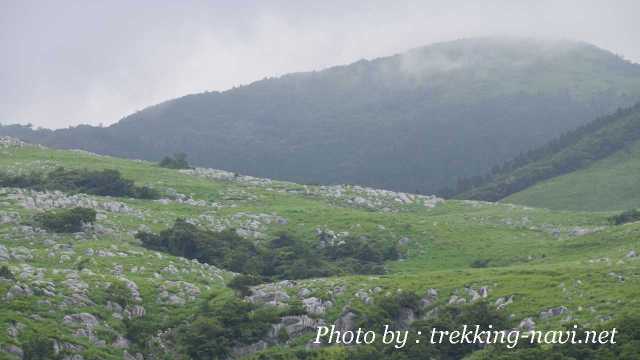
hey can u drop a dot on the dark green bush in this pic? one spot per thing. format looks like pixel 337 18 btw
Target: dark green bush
pixel 20 181
pixel 6 273
pixel 95 182
pixel 39 347
pixel 223 249
pixel 178 161
pixel 480 263
pixel 223 322
pixel 242 282
pixel 65 220
pixel 119 293
pixel 449 318
pixel 284 257
pixel 625 217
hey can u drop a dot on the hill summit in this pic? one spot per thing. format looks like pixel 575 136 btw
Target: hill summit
pixel 411 122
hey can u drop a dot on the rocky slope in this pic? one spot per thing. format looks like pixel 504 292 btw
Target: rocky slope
pixel 543 268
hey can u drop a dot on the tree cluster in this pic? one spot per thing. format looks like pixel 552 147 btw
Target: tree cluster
pixel 284 257
pixel 178 161
pixel 106 182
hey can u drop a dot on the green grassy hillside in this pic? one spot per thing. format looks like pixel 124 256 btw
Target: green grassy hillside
pixel 538 258
pixel 608 184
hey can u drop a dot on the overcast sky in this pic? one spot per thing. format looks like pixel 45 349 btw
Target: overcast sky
pixel 70 62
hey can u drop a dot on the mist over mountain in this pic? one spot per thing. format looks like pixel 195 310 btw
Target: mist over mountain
pixel 415 122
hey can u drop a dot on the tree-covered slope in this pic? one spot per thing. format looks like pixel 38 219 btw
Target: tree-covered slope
pixel 590 168
pixel 608 184
pixel 102 293
pixel 412 122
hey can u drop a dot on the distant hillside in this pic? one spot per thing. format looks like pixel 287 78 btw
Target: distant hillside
pixel 600 159
pixel 609 184
pixel 412 122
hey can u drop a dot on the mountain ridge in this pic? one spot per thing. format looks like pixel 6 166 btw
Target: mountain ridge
pixel 411 122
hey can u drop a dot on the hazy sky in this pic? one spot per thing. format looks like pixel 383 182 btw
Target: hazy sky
pixel 69 62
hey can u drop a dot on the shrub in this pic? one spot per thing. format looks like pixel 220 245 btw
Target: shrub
pixel 119 293
pixel 223 322
pixel 626 217
pixel 82 264
pixel 448 318
pixel 20 181
pixel 6 273
pixel 284 257
pixel 65 220
pixel 39 347
pixel 242 282
pixel 480 263
pixel 223 249
pixel 178 161
pixel 95 182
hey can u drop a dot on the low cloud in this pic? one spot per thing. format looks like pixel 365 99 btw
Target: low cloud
pixel 72 62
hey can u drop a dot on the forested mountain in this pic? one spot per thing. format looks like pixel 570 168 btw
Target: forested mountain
pixel 416 121
pixel 574 150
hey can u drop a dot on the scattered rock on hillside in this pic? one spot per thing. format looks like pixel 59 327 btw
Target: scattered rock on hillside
pixel 553 312
pixel 45 200
pixel 502 302
pixel 346 321
pixel 527 324
pixel 9 218
pixel 364 297
pixel 7 141
pixel 581 231
pixel 296 325
pixel 456 300
pixel 374 199
pixel 430 297
pixel 85 320
pixel 316 306
pixel 406 317
pixel 617 276
pixel 304 293
pixel 13 350
pixel 4 253
pixel 177 293
pixel 17 291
